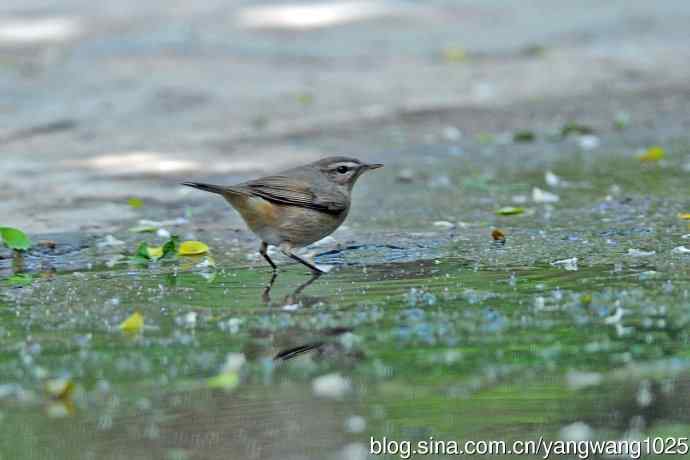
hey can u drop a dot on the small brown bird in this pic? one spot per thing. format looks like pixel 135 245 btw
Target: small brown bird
pixel 296 207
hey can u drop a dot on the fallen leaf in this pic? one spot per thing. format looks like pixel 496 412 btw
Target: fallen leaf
pixel 134 324
pixel 684 215
pixel 50 244
pixel 225 380
pixel 498 236
pixel 154 252
pixel 20 279
pixel 524 136
pixel 15 238
pixel 510 211
pixel 145 252
pixel 454 54
pixel 61 388
pixel 621 120
pixel 136 203
pixel 143 229
pixel 576 128
pixel 305 98
pixel 655 153
pixel 192 248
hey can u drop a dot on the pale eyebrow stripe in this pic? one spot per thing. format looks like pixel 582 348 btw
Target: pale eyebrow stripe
pixel 349 164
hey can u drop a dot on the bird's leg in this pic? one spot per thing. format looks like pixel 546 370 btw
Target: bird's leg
pixel 266 296
pixel 263 250
pixel 292 298
pixel 287 250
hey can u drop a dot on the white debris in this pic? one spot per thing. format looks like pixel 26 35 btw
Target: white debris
pixel 189 319
pixel 163 233
pixel 616 317
pixel 644 394
pixel 109 241
pixel 588 142
pixel 24 31
pixel 355 424
pixel 333 386
pixel 680 250
pixel 519 199
pixel 568 264
pixel 451 133
pixel 234 362
pixel 354 451
pixel 405 175
pixel 444 224
pixel 542 196
pixel 686 237
pixel 232 325
pixel 551 179
pixel 577 380
pixel 577 431
pixel 640 253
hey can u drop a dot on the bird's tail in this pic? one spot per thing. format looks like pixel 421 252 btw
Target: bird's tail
pixel 206 187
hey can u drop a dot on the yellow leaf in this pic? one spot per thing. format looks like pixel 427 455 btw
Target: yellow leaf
pixel 134 324
pixel 655 153
pixel 454 54
pixel 225 380
pixel 192 248
pixel 155 252
pixel 684 215
pixel 59 388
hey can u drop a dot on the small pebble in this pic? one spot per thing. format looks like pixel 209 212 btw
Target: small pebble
pixel 588 142
pixel 551 179
pixel 577 431
pixel 568 264
pixel 332 386
pixel 405 175
pixel 444 224
pixel 680 250
pixel 542 196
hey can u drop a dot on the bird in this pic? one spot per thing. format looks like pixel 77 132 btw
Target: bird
pixel 296 207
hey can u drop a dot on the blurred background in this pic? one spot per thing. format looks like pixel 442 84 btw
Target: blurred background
pixel 100 101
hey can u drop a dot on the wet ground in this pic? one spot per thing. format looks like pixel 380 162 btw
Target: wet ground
pixel 573 327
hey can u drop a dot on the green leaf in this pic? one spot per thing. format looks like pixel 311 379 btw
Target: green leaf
pixel 20 279
pixel 524 136
pixel 170 246
pixel 145 252
pixel 15 238
pixel 225 380
pixel 576 128
pixel 136 203
pixel 510 211
pixel 142 252
pixel 143 229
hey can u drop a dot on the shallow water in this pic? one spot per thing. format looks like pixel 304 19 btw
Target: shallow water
pixel 427 330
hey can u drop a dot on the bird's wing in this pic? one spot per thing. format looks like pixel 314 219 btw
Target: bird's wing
pixel 295 192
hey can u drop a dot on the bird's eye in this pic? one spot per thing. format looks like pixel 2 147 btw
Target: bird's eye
pixel 341 169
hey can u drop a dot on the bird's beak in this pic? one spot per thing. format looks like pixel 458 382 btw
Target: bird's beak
pixel 374 166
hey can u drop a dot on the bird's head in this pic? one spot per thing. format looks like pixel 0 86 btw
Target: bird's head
pixel 344 171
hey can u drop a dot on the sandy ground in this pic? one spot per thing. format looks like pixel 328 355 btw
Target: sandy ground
pixel 99 104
